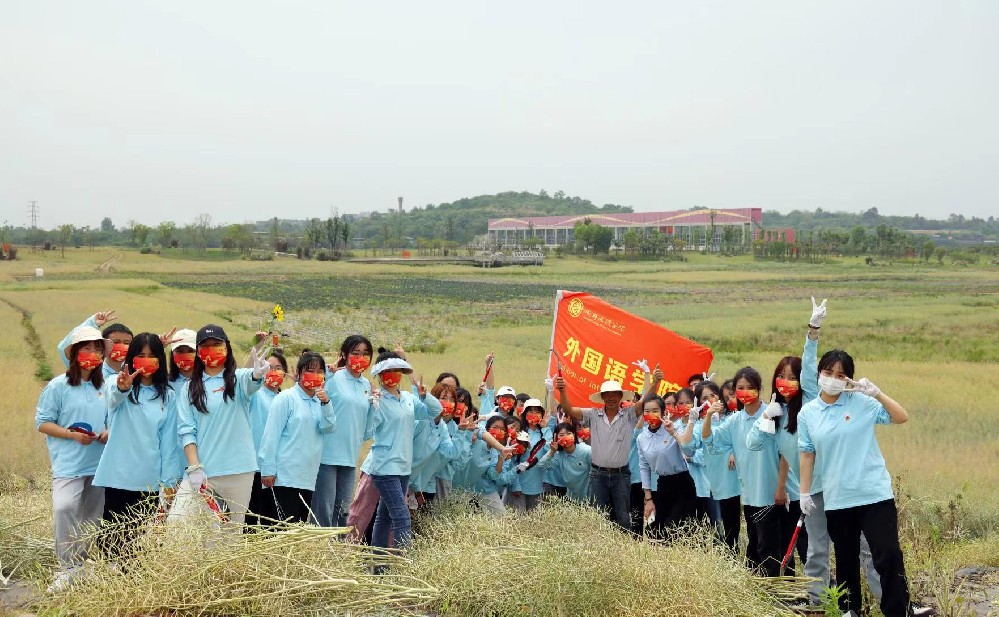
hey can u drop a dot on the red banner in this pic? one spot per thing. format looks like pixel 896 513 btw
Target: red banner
pixel 595 341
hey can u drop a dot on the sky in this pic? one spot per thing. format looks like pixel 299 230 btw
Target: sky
pixel 248 110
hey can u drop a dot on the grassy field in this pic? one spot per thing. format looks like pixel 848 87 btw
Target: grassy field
pixel 926 334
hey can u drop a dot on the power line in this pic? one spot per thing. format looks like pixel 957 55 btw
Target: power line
pixel 33 211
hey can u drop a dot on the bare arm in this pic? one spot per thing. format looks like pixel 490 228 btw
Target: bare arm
pixel 807 469
pixel 898 413
pixel 191 452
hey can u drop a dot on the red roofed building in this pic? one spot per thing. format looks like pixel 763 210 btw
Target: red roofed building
pixel 692 226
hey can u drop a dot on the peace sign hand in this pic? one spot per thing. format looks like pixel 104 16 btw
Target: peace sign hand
pixel 125 378
pixel 102 317
pixel 168 338
pixel 421 388
pixel 818 314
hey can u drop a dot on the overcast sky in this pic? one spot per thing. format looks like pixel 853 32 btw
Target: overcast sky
pixel 246 110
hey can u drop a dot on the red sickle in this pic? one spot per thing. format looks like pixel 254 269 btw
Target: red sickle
pixel 794 538
pixel 212 504
pixel 489 369
pixel 74 429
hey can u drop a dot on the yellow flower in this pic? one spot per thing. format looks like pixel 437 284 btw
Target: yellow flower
pixel 278 312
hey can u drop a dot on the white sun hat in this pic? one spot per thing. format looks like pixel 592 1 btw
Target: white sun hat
pixel 611 386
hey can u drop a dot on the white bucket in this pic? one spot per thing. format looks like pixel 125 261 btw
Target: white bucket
pixel 39 273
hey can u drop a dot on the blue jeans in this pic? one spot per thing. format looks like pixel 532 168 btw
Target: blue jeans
pixel 393 513
pixel 611 490
pixel 334 491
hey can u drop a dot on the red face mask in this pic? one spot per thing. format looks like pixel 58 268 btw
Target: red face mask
pixel 118 352
pixel 747 397
pixel 447 408
pixel 506 403
pixel 358 364
pixel 583 434
pixel 511 433
pixel 213 357
pixel 391 379
pixel 274 379
pixel 787 387
pixel 566 441
pixel 184 360
pixel 88 360
pixel 680 411
pixel 462 408
pixel 498 433
pixel 312 381
pixel 146 366
pixel 653 420
pixel 733 404
pixel 519 448
pixel 533 418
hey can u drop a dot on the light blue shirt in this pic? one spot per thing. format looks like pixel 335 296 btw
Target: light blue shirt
pixel 531 479
pixel 141 453
pixel 787 447
pixel 463 442
pixel 293 438
pixel 846 449
pixel 573 468
pixel 493 481
pixel 392 426
pixel 223 435
pixel 658 453
pixel 757 469
pixel 350 397
pixel 722 481
pixel 472 463
pixel 432 449
pixel 693 454
pixel 66 405
pixel 260 407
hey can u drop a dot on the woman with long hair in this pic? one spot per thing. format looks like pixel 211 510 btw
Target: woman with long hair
pixel 262 503
pixel 71 414
pixel 213 411
pixel 292 445
pixel 757 472
pixel 350 394
pixel 141 453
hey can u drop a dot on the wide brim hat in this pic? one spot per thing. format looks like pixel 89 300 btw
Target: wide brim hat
pixel 84 334
pixel 611 386
pixel 391 364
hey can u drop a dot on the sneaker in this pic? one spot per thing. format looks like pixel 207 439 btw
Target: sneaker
pixel 921 611
pixel 63 581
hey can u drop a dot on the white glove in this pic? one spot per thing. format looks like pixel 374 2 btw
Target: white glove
pixel 549 384
pixel 375 398
pixel 864 386
pixel 196 477
pixel 766 425
pixel 260 365
pixel 642 364
pixel 818 314
pixel 694 415
pixel 773 410
pixel 521 468
pixel 708 377
pixel 807 504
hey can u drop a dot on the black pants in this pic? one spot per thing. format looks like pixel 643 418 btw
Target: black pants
pixel 125 509
pixel 763 528
pixel 293 502
pixel 637 508
pixel 261 503
pixel 675 501
pixel 788 521
pixel 548 490
pixel 879 524
pixel 731 509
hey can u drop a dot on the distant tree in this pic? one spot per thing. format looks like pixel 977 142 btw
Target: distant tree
pixel 107 226
pixel 165 232
pixel 65 237
pixel 631 240
pixel 543 194
pixel 202 223
pixel 559 195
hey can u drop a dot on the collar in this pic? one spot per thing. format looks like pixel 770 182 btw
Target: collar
pixel 206 376
pixel 301 393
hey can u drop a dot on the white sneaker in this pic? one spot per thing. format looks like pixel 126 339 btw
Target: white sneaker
pixel 63 581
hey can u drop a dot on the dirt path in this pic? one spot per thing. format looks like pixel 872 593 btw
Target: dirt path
pixel 14 597
pixel 105 267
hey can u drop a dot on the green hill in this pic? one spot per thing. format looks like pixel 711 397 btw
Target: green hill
pixel 465 218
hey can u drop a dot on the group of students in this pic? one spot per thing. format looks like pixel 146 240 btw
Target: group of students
pixel 126 422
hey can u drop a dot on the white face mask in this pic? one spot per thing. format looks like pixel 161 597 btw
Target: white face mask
pixel 831 385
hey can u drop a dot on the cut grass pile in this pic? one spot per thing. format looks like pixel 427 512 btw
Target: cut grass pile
pixel 563 559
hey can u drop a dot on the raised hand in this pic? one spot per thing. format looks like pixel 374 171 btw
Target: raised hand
pixel 818 314
pixel 260 365
pixel 773 409
pixel 642 364
pixel 708 377
pixel 864 386
pixel 102 317
pixel 168 338
pixel 322 396
pixel 125 378
pixel 421 388
pixel 399 350
pixel 657 375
